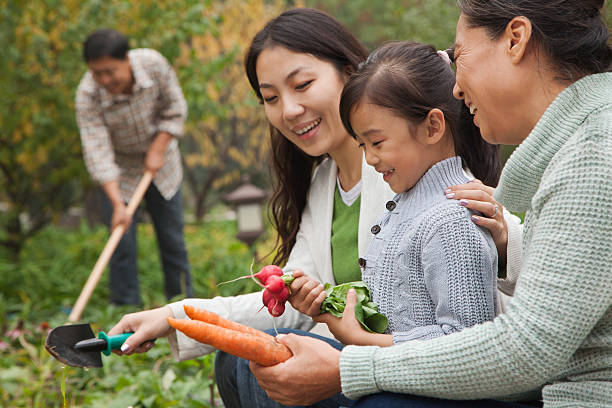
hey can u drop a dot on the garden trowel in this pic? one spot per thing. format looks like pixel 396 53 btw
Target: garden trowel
pixel 77 346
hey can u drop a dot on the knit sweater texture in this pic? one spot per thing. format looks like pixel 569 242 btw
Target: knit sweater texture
pixel 430 269
pixel 557 332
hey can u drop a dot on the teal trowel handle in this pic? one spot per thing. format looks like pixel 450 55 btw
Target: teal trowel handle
pixel 113 342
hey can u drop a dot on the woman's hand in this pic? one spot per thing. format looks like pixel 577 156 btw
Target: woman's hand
pixel 307 294
pixel 347 328
pixel 311 375
pixel 147 326
pixel 479 197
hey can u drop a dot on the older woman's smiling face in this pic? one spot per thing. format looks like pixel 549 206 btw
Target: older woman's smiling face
pixel 487 83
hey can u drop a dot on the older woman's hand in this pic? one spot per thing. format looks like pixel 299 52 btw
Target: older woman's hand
pixel 311 375
pixel 479 197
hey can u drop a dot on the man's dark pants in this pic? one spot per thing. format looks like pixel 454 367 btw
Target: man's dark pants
pixel 167 217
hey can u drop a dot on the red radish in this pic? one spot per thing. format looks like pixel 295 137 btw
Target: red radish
pixel 283 296
pixel 267 271
pixel 276 308
pixel 266 297
pixel 262 275
pixel 276 287
pixel 275 284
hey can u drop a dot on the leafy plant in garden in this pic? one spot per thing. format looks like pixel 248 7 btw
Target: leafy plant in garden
pixel 37 294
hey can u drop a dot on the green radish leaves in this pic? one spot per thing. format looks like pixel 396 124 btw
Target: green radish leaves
pixel 366 311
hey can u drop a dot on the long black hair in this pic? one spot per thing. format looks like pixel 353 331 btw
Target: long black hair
pixel 412 79
pixel 313 32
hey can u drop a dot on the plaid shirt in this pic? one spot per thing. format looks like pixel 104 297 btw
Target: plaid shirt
pixel 117 130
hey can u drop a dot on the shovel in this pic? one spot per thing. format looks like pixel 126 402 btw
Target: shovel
pixel 77 346
pixel 106 254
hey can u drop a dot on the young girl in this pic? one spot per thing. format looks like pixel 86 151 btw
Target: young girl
pixel 430 269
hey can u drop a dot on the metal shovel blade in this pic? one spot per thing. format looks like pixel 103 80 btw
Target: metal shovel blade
pixel 60 344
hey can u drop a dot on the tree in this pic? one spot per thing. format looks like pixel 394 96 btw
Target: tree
pixel 226 134
pixel 41 167
pixel 431 21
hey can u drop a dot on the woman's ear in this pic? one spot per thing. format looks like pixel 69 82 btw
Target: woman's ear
pixel 432 129
pixel 517 37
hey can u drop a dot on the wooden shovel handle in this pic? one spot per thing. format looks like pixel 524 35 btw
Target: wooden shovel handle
pixel 110 247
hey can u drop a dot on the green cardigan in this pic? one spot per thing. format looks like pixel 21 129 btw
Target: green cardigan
pixel 557 332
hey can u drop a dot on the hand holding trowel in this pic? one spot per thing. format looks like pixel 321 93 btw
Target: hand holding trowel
pixel 77 346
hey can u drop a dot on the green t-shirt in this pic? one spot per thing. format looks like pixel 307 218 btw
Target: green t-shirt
pixel 345 228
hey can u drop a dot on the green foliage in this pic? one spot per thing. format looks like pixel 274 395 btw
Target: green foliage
pixel 227 134
pixel 366 311
pixel 430 22
pixel 38 292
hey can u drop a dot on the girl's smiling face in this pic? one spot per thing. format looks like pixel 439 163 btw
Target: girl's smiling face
pixel 301 95
pixel 398 149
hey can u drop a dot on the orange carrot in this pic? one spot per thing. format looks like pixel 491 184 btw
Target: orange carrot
pixel 206 316
pixel 266 352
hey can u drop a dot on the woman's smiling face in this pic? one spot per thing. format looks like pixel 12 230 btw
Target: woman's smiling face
pixel 301 95
pixel 485 82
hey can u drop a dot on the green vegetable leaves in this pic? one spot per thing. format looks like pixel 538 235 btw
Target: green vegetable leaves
pixel 366 311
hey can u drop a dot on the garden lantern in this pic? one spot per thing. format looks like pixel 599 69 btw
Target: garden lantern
pixel 247 200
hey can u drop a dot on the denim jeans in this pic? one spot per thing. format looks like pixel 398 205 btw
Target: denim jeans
pixel 392 400
pixel 167 217
pixel 239 389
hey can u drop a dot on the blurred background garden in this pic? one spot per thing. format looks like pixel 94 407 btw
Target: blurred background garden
pixel 50 235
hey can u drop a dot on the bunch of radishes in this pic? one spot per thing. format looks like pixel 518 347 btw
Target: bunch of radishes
pixel 276 287
pixel 276 290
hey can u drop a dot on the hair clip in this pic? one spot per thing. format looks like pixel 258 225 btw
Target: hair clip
pixel 445 56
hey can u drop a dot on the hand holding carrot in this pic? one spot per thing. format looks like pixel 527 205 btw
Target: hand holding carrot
pixel 146 325
pixel 307 294
pixel 311 375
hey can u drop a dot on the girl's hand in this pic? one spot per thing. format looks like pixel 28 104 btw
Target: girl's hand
pixel 311 375
pixel 347 328
pixel 307 294
pixel 147 326
pixel 479 197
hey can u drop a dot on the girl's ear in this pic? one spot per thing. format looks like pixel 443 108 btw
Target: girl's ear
pixel 431 130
